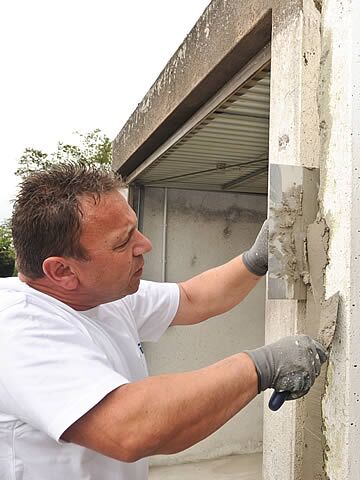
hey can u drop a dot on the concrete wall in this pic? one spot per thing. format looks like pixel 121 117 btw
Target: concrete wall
pixel 320 120
pixel 204 230
pixel 340 195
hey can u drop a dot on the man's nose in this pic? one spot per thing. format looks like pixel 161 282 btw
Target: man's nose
pixel 142 245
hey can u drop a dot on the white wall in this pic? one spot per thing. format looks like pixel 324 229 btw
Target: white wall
pixel 206 229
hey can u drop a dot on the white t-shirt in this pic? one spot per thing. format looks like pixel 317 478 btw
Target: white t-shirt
pixel 57 363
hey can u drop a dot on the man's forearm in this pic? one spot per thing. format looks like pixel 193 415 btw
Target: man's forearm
pixel 214 292
pixel 167 413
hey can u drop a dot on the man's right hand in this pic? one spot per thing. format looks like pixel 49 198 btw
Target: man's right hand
pixel 290 364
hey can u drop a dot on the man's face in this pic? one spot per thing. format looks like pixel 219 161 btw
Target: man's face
pixel 115 247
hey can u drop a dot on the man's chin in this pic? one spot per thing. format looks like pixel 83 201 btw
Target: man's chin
pixel 134 287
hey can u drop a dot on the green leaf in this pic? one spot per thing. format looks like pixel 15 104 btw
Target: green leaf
pixel 94 147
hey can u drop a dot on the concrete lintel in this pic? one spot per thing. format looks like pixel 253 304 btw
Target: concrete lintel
pixel 225 38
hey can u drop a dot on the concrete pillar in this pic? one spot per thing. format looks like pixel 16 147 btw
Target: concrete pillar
pixel 315 115
pixel 294 140
pixel 340 195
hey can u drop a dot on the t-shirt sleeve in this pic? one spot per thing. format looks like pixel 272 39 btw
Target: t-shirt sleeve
pixel 154 307
pixel 51 372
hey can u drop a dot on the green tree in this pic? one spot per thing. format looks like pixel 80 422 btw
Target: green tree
pixel 7 252
pixel 93 147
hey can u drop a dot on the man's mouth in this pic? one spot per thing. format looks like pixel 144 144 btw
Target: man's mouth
pixel 139 271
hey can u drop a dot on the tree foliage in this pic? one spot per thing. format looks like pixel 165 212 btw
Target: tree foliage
pixel 93 147
pixel 7 252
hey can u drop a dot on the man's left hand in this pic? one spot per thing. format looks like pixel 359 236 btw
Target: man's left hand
pixel 256 259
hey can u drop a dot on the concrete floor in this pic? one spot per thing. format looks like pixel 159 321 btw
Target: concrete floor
pixel 239 467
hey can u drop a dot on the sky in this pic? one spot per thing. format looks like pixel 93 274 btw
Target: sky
pixel 77 65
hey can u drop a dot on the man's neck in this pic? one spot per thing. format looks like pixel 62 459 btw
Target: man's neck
pixel 74 300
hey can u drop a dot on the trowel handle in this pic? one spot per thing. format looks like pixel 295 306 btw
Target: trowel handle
pixel 277 399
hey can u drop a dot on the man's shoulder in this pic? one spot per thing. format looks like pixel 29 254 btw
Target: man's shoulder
pixel 10 283
pixel 19 300
pixel 11 293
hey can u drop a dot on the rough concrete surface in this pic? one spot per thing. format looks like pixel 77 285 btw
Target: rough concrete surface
pixel 317 253
pixel 340 114
pixel 282 244
pixel 328 317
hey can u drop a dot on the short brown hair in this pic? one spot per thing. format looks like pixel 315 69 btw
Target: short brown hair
pixel 47 214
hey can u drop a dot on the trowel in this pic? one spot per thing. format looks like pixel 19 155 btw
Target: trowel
pixel 298 238
pixel 328 317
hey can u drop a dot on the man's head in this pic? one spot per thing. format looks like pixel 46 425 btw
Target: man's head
pixel 67 224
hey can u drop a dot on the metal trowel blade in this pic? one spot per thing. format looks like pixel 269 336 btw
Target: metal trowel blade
pixel 293 205
pixel 328 317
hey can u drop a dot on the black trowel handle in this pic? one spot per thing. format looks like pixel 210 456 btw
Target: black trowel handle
pixel 277 399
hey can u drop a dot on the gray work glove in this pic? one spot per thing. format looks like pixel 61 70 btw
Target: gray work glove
pixel 256 259
pixel 289 365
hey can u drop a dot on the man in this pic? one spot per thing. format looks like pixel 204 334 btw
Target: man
pixel 75 402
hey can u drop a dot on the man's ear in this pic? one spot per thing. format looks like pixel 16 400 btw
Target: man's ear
pixel 60 272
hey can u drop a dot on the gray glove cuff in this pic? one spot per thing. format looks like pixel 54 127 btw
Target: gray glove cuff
pixel 256 259
pixel 253 265
pixel 264 367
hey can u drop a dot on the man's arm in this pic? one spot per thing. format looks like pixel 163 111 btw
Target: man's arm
pixel 218 290
pixel 214 292
pixel 168 413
